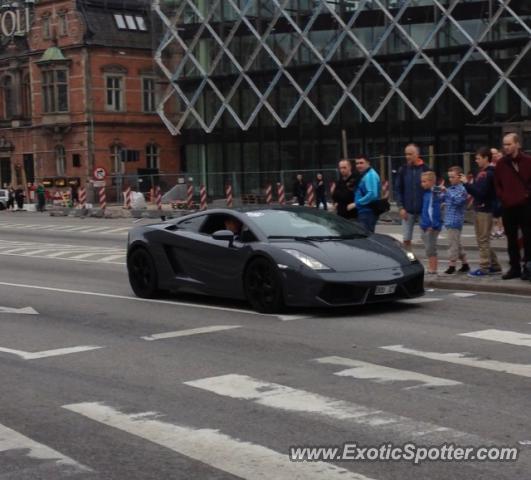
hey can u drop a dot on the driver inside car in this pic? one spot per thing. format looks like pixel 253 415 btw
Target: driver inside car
pixel 234 225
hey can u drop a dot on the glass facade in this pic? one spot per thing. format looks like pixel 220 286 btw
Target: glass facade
pixel 263 85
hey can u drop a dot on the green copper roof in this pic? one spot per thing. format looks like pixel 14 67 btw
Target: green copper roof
pixel 53 54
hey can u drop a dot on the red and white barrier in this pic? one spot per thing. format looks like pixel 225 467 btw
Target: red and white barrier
pixel 310 194
pixel 269 194
pixel 190 196
pixel 281 194
pixel 158 197
pixel 82 197
pixel 103 198
pixel 127 198
pixel 228 195
pixel 385 190
pixel 152 195
pixel 203 197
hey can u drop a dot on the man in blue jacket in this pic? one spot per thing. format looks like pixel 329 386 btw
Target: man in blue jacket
pixel 368 191
pixel 408 191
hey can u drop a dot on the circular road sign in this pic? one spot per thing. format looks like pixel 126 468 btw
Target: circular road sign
pixel 100 173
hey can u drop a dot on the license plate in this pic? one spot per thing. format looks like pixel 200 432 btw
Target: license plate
pixel 385 289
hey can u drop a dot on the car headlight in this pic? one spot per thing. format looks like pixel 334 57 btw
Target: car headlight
pixel 410 255
pixel 307 260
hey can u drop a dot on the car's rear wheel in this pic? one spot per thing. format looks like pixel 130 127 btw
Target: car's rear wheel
pixel 142 274
pixel 263 286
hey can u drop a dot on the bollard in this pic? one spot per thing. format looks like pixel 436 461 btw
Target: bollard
pixel 228 195
pixel 281 194
pixel 311 195
pixel 103 198
pixel 269 194
pixel 190 196
pixel 203 197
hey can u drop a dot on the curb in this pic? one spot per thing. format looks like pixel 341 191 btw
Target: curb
pixel 524 288
pixel 112 214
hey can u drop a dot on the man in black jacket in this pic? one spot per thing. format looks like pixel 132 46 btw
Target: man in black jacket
pixel 299 190
pixel 343 194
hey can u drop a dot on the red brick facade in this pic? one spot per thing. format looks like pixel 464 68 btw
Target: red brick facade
pixel 71 101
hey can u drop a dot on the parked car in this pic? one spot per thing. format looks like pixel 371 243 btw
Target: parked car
pixel 4 195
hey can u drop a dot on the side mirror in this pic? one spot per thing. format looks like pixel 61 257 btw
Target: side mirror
pixel 224 235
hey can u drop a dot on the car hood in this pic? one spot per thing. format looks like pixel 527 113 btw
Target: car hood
pixel 364 254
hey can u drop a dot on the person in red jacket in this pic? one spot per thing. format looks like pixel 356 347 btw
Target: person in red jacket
pixel 512 178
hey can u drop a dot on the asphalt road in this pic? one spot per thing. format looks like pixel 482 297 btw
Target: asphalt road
pixel 97 384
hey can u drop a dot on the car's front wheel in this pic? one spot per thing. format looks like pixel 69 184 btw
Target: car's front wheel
pixel 142 274
pixel 263 286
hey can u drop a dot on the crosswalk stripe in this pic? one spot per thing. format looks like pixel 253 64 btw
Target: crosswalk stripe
pixel 119 230
pixel 420 300
pixel 520 369
pixel 382 374
pixel 463 294
pixel 112 258
pixel 12 440
pixel 192 331
pixel 83 255
pixel 211 447
pixel 285 398
pixel 503 336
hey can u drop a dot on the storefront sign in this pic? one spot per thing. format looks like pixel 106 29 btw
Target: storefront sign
pixel 14 22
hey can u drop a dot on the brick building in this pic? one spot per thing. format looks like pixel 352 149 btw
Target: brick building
pixel 78 90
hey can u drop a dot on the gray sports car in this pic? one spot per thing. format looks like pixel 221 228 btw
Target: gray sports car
pixel 272 257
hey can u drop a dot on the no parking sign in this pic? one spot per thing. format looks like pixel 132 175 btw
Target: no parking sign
pixel 100 173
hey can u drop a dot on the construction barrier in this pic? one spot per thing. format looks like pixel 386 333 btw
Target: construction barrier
pixel 281 194
pixel 310 194
pixel 127 198
pixel 158 198
pixel 228 195
pixel 190 196
pixel 203 197
pixel 103 198
pixel 385 190
pixel 82 197
pixel 269 194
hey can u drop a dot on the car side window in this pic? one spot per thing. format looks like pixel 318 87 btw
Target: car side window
pixel 192 224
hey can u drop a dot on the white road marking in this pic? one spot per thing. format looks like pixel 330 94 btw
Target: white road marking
pixel 136 299
pixel 22 311
pixel 503 336
pixel 290 399
pixel 49 353
pixel 290 318
pixel 82 255
pixel 112 258
pixel 520 369
pixel 12 440
pixel 415 301
pixel 192 331
pixel 119 230
pixel 463 294
pixel 382 374
pixel 242 459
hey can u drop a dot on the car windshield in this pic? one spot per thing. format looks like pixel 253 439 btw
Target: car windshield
pixel 305 224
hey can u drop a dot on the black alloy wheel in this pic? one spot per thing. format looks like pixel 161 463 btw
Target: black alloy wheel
pixel 263 286
pixel 142 274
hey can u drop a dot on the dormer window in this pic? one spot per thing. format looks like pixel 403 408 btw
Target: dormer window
pixel 130 22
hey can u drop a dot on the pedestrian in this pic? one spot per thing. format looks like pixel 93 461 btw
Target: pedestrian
pixel 41 198
pixel 455 198
pixel 344 192
pixel 430 219
pixel 299 190
pixel 497 224
pixel 512 178
pixel 320 191
pixel 367 192
pixel 10 198
pixel 483 192
pixel 409 192
pixel 19 197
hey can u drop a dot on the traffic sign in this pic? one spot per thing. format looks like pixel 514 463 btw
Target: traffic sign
pixel 100 173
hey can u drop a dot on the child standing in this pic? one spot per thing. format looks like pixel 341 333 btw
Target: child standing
pixel 430 221
pixel 455 198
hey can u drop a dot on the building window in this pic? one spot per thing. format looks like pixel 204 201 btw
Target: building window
pixel 152 156
pixel 76 160
pixel 26 96
pixel 116 159
pixel 149 101
pixel 63 24
pixel 46 27
pixel 114 99
pixel 55 91
pixel 130 22
pixel 60 160
pixel 8 97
